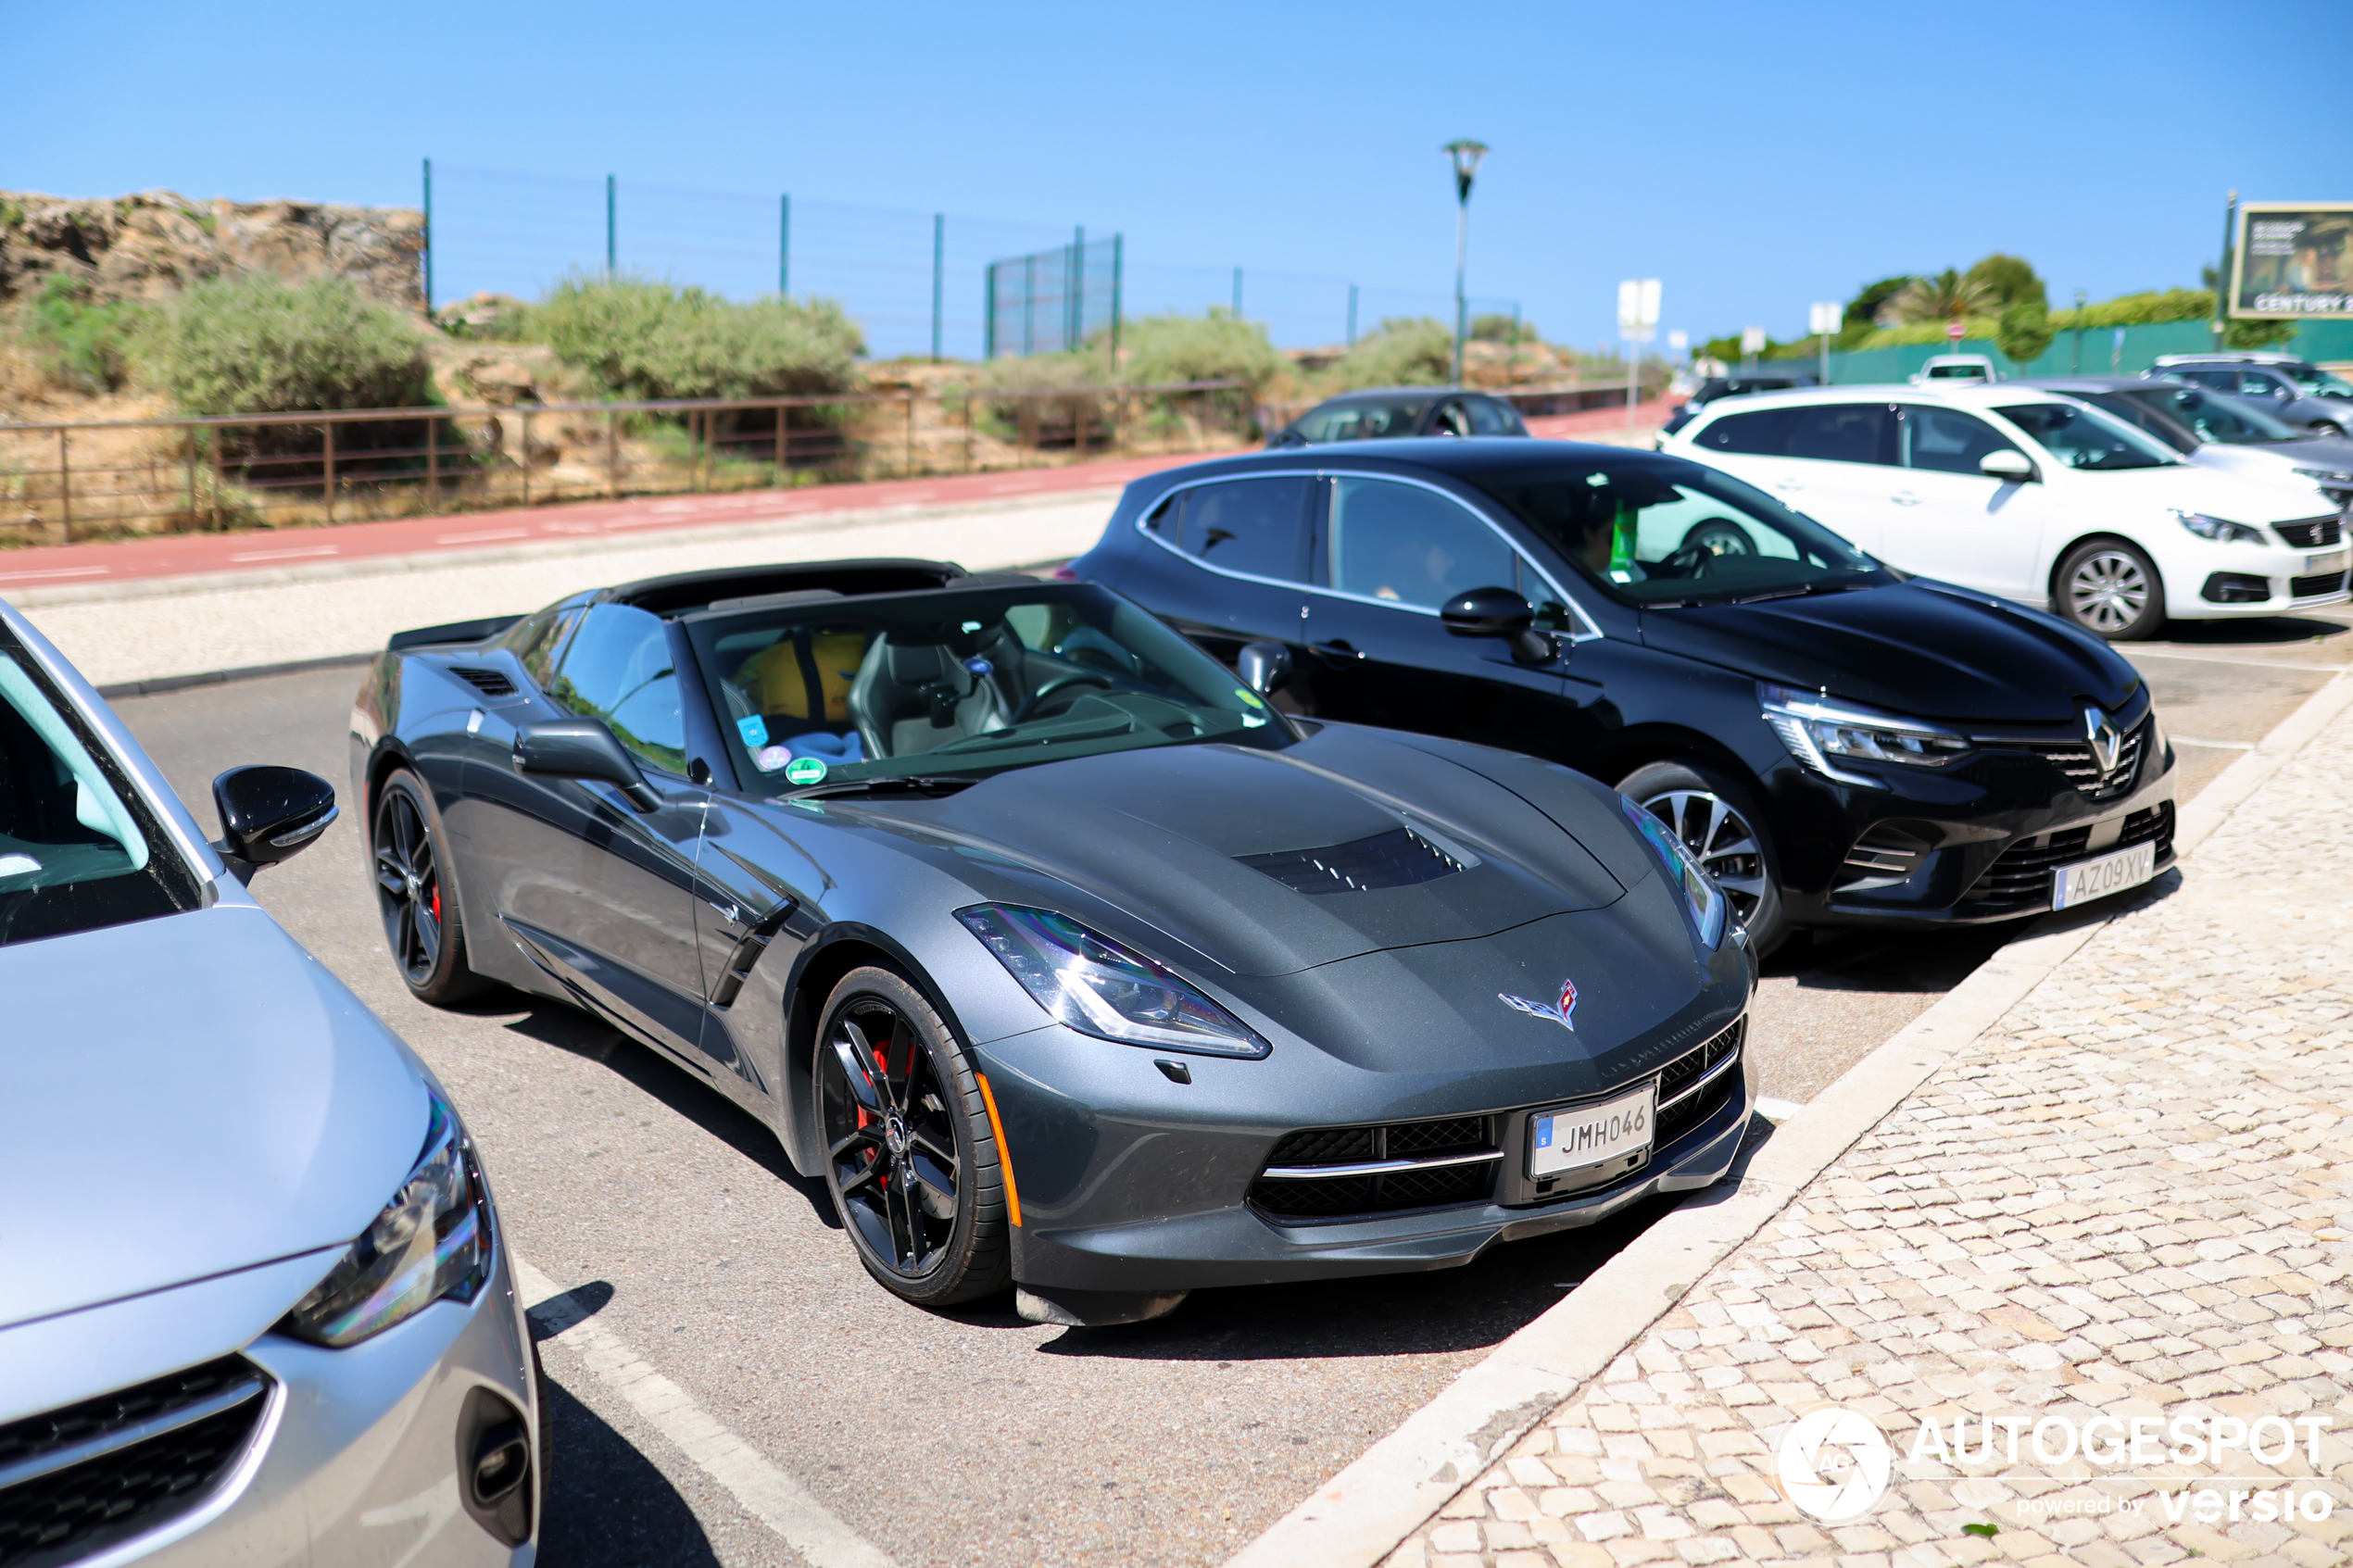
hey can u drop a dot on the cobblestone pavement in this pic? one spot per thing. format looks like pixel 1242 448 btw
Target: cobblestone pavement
pixel 2132 1196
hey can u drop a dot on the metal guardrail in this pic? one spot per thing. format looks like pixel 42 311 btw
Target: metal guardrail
pixel 241 471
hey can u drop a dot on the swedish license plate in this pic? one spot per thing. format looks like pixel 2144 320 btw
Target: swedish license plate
pixel 1615 1133
pixel 2333 562
pixel 2087 880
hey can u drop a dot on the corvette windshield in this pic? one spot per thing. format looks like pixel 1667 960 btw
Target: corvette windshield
pixel 819 691
pixel 1660 530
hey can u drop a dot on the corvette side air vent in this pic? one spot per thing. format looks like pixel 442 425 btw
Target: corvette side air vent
pixel 1399 858
pixel 489 683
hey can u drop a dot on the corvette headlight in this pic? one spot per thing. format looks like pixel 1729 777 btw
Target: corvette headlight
pixel 1100 988
pixel 1817 728
pixel 1710 910
pixel 2221 532
pixel 432 1241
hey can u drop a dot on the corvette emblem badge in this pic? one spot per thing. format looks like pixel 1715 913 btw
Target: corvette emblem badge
pixel 1564 1013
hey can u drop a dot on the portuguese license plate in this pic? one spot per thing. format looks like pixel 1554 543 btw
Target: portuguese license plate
pixel 1615 1133
pixel 2087 880
pixel 2334 561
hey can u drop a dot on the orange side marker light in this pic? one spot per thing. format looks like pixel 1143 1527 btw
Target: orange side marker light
pixel 1004 1160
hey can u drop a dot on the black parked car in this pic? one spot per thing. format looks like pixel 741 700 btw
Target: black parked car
pixel 1840 745
pixel 1388 412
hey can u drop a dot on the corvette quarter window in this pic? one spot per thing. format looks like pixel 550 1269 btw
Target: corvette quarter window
pixel 538 640
pixel 1948 441
pixel 1409 546
pixel 1764 433
pixel 1255 526
pixel 616 666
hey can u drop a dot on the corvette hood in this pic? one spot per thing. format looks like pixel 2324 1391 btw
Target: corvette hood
pixel 1918 648
pixel 185 1097
pixel 1164 834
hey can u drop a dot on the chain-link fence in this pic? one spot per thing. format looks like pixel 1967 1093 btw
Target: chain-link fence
pixel 917 283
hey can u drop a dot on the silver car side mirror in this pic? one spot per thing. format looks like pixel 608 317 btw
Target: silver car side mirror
pixel 1262 666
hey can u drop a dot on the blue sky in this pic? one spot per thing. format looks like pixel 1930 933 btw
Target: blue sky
pixel 1755 157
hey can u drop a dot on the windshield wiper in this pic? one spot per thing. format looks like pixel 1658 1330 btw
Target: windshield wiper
pixel 893 784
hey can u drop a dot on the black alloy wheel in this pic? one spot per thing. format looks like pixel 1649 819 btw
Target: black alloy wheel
pixel 2111 590
pixel 1718 823
pixel 419 914
pixel 910 1157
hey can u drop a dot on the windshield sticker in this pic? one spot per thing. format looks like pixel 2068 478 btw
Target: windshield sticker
pixel 805 771
pixel 754 729
pixel 1249 696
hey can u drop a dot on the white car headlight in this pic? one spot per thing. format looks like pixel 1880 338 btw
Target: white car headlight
pixel 1100 988
pixel 1817 727
pixel 431 1242
pixel 2217 529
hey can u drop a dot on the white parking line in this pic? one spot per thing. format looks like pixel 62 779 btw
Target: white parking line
pixel 485 534
pixel 53 572
pixel 773 1497
pixel 2217 745
pixel 2257 663
pixel 287 555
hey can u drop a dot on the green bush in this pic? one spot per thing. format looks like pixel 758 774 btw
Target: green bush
pixel 1076 379
pixel 1497 327
pixel 1407 351
pixel 2009 280
pixel 252 344
pixel 2025 330
pixel 2138 309
pixel 77 341
pixel 1213 347
pixel 638 338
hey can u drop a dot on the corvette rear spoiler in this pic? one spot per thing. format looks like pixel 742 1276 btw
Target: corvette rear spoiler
pixel 452 632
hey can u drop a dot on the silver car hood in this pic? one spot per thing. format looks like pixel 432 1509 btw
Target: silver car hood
pixel 183 1097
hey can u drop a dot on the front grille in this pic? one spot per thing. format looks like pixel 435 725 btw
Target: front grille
pixel 2021 875
pixel 1323 1196
pixel 2074 759
pixel 1399 858
pixel 1681 1117
pixel 75 1480
pixel 489 683
pixel 2315 530
pixel 2321 582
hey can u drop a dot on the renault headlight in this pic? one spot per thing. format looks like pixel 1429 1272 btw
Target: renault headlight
pixel 1098 988
pixel 1815 728
pixel 431 1242
pixel 2217 529
pixel 1710 910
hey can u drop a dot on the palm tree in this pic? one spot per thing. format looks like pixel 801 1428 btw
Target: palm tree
pixel 1946 296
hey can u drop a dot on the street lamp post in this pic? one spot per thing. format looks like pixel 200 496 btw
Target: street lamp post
pixel 1465 154
pixel 2076 366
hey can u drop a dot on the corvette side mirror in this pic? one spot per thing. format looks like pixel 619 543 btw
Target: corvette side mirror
pixel 1262 666
pixel 269 814
pixel 2010 468
pixel 1500 612
pixel 581 749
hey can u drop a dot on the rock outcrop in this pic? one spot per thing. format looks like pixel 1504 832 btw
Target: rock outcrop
pixel 153 244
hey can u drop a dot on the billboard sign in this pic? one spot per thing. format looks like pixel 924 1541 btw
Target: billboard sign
pixel 2292 261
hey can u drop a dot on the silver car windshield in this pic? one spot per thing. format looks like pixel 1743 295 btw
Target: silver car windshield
pixel 78 847
pixel 955 681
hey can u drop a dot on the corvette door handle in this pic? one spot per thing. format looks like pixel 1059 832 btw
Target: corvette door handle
pixel 1337 651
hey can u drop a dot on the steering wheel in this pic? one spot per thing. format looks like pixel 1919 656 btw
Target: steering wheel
pixel 1059 683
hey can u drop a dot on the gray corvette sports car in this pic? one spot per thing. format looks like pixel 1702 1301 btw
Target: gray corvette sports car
pixel 1066 961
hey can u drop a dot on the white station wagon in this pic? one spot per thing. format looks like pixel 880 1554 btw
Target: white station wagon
pixel 2033 496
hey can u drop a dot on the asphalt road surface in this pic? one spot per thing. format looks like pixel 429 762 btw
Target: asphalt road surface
pixel 969 1437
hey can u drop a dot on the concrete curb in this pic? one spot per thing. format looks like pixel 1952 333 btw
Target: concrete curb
pixel 1398 1485
pixel 650 536
pixel 163 684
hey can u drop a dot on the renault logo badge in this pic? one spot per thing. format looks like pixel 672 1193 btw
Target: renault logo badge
pixel 2107 741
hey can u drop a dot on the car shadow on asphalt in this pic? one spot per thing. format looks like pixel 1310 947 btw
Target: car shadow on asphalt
pixel 1439 1311
pixel 605 1502
pixel 2267 631
pixel 651 1073
pixel 1903 960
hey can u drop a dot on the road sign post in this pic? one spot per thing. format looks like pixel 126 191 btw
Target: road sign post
pixel 1822 321
pixel 1637 322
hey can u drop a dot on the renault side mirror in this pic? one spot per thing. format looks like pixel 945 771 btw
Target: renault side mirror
pixel 1500 612
pixel 269 814
pixel 581 749
pixel 2010 468
pixel 1262 666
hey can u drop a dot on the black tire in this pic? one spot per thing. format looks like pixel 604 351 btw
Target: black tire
pixel 2111 589
pixel 910 1157
pixel 408 858
pixel 1718 821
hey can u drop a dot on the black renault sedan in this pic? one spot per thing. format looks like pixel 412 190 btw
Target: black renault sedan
pixel 1840 743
